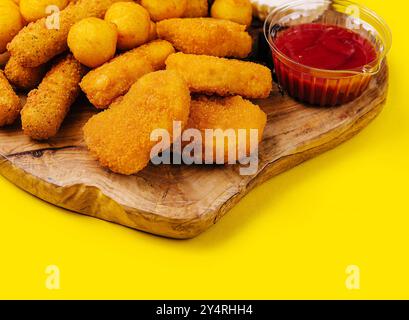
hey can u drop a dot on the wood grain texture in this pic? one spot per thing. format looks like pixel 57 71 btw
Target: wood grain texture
pixel 177 201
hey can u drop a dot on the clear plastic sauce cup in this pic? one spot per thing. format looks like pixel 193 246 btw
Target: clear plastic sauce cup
pixel 326 86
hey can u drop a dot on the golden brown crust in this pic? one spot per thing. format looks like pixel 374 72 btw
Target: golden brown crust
pixel 35 44
pixel 113 79
pixel 120 136
pixel 196 9
pixel 226 113
pixel 212 75
pixel 47 106
pixel 10 104
pixel 22 77
pixel 206 36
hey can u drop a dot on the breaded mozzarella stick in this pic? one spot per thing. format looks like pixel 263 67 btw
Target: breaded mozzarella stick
pixel 47 106
pixel 113 79
pixel 208 36
pixel 22 77
pixel 212 75
pixel 10 105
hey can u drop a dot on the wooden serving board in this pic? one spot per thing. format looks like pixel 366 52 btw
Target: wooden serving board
pixel 177 201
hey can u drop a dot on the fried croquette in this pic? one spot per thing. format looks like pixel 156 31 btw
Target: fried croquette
pixel 41 41
pixel 196 9
pixel 47 106
pixel 212 75
pixel 120 137
pixel 93 41
pixel 22 77
pixel 206 36
pixel 231 113
pixel 240 11
pixel 113 79
pixel 10 104
pixel 165 9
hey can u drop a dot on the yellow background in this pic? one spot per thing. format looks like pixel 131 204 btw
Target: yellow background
pixel 293 237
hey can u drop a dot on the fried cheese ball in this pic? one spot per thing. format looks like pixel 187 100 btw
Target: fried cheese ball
pixel 113 79
pixel 22 77
pixel 208 36
pixel 37 44
pixel 120 137
pixel 240 11
pixel 165 9
pixel 47 106
pixel 196 9
pixel 10 104
pixel 33 10
pixel 93 41
pixel 224 77
pixel 133 22
pixel 233 114
pixel 11 22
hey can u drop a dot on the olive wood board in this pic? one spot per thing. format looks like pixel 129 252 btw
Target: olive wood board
pixel 177 201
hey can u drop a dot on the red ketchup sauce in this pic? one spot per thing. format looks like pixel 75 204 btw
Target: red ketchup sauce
pixel 327 48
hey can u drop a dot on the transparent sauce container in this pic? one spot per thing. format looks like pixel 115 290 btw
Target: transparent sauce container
pixel 322 86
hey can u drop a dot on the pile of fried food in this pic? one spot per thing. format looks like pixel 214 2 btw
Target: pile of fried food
pixel 146 63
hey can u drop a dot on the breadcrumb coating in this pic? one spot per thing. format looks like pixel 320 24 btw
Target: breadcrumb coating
pixel 47 106
pixel 113 79
pixel 22 77
pixel 196 9
pixel 226 113
pixel 206 36
pixel 10 104
pixel 212 75
pixel 37 44
pixel 120 136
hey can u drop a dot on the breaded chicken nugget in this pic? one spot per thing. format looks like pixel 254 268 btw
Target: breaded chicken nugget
pixel 37 43
pixel 113 79
pixel 10 105
pixel 196 9
pixel 22 77
pixel 208 36
pixel 120 136
pixel 232 113
pixel 47 106
pixel 212 75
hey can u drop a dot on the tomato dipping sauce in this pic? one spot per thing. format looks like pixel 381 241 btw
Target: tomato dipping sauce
pixel 326 47
pixel 309 55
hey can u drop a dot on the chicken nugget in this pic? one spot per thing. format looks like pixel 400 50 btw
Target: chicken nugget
pixel 47 106
pixel 40 41
pixel 113 79
pixel 212 75
pixel 208 36
pixel 22 77
pixel 120 137
pixel 231 115
pixel 196 9
pixel 10 104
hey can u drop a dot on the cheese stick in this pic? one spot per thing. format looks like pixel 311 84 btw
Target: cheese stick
pixel 213 37
pixel 113 79
pixel 47 106
pixel 224 77
pixel 10 105
pixel 22 77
